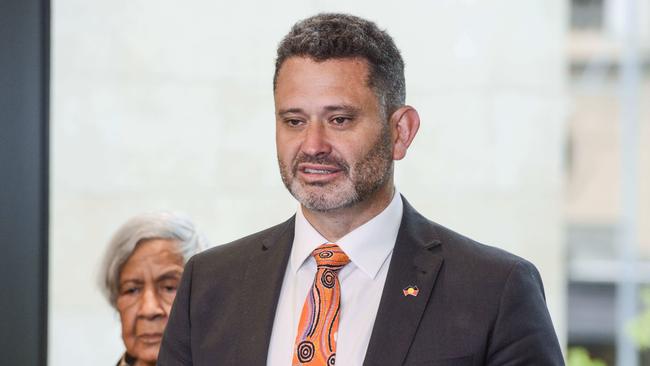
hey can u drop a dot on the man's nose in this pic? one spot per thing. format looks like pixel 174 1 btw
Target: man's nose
pixel 150 305
pixel 316 141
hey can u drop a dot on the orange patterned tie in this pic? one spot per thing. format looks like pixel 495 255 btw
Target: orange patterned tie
pixel 319 321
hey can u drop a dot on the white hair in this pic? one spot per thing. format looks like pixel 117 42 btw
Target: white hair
pixel 150 225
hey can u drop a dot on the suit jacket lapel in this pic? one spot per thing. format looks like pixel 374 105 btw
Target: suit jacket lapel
pixel 414 263
pixel 266 268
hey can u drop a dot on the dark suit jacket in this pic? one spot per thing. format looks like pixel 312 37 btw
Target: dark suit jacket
pixel 477 305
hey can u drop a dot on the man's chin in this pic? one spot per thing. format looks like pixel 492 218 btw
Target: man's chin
pixel 322 207
pixel 323 197
pixel 321 203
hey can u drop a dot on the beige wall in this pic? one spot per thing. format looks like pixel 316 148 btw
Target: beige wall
pixel 158 104
pixel 594 185
pixel 593 194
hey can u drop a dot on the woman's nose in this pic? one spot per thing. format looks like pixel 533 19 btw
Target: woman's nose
pixel 150 304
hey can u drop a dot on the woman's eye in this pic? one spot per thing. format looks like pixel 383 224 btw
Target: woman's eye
pixel 169 288
pixel 130 291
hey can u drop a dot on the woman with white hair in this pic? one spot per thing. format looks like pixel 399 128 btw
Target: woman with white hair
pixel 141 271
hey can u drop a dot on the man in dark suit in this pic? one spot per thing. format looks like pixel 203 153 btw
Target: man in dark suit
pixel 357 276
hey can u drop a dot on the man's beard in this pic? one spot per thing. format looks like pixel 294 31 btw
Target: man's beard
pixel 360 182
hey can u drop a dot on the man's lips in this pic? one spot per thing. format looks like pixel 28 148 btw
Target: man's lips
pixel 318 172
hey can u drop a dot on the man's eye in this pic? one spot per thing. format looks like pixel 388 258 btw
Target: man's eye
pixel 293 122
pixel 340 120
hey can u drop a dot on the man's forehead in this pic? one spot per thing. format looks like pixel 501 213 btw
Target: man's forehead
pixel 310 84
pixel 299 72
pixel 294 63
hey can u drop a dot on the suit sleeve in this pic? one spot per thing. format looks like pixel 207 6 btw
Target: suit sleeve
pixel 175 349
pixel 523 333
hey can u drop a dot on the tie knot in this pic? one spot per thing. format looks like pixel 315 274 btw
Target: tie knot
pixel 330 256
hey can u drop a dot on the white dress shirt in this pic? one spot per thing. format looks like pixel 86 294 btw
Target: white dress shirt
pixel 369 248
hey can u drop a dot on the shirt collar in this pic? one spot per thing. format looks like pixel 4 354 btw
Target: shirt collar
pixel 367 246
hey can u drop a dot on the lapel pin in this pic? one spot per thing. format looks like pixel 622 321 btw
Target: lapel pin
pixel 411 291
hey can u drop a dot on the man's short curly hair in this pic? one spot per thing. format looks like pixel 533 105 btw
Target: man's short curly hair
pixel 332 36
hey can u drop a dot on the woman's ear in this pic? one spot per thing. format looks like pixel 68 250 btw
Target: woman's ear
pixel 404 123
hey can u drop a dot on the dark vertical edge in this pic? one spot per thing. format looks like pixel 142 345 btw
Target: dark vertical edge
pixel 45 32
pixel 24 181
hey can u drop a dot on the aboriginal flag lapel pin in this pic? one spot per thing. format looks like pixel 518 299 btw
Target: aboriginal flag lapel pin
pixel 411 291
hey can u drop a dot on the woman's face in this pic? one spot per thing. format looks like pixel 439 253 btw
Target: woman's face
pixel 148 284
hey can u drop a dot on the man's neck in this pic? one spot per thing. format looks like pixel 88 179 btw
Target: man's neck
pixel 335 224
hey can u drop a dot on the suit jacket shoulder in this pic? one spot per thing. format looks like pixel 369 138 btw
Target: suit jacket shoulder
pixel 224 309
pixel 230 257
pixel 478 263
pixel 476 305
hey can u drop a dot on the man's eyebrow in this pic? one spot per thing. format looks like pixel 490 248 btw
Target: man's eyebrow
pixel 329 108
pixel 342 107
pixel 282 112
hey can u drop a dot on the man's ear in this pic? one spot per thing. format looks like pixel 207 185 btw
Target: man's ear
pixel 404 123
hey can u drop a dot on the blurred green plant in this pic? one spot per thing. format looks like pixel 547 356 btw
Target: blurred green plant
pixel 579 356
pixel 639 327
